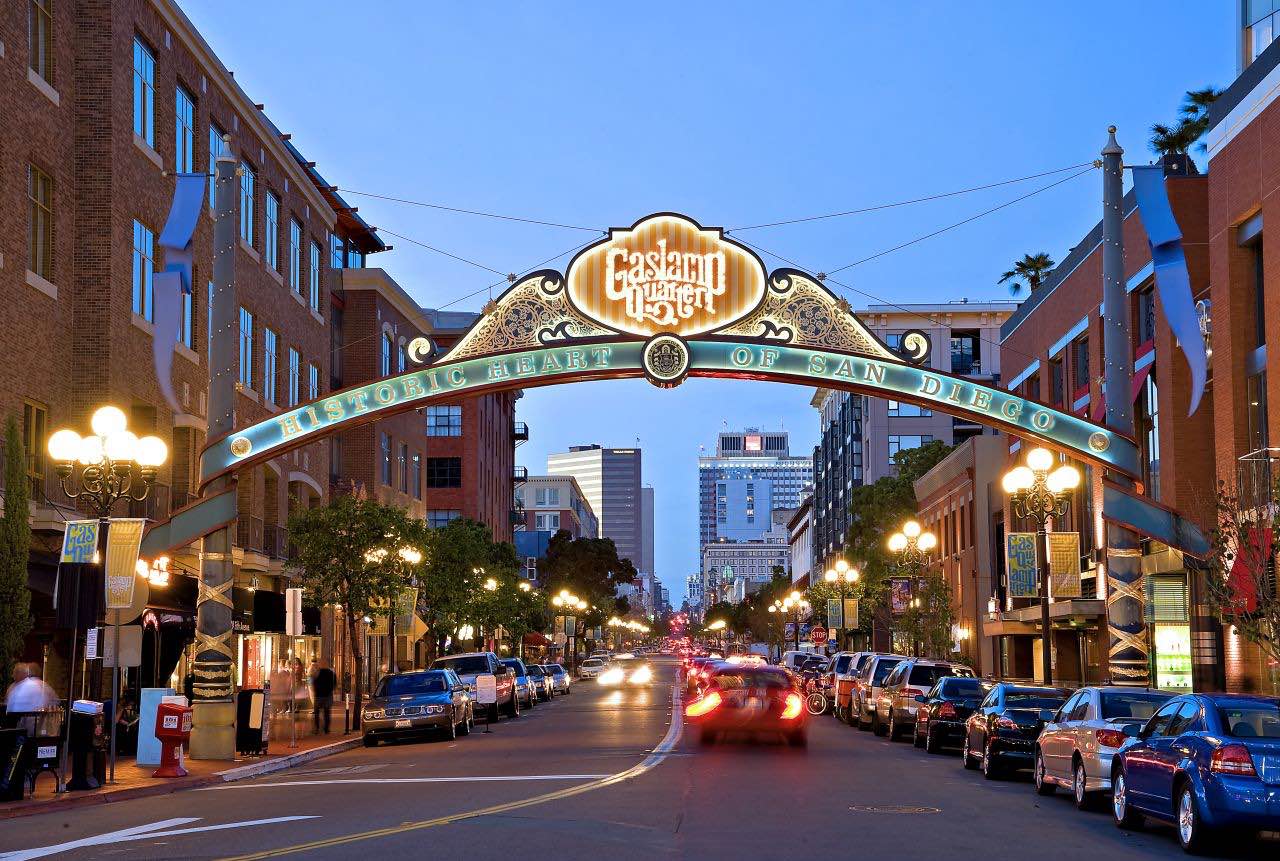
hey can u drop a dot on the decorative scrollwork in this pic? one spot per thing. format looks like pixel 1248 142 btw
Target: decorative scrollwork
pixel 797 310
pixel 534 313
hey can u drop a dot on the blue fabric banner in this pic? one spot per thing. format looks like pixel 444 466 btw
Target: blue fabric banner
pixel 174 282
pixel 1172 280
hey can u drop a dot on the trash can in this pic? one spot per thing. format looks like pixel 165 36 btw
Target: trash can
pixel 252 724
pixel 86 738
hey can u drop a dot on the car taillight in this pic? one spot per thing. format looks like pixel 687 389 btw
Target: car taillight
pixel 1232 759
pixel 1006 723
pixel 702 706
pixel 1109 737
pixel 947 710
pixel 793 706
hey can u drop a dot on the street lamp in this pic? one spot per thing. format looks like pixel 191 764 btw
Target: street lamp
pixel 842 575
pixel 912 546
pixel 794 604
pixel 405 556
pixel 1039 494
pixel 569 602
pixel 106 460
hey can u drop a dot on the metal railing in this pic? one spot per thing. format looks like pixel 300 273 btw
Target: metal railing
pixel 520 473
pixel 249 533
pixel 520 431
pixel 275 541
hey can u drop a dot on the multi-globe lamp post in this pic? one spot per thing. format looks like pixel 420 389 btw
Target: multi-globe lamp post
pixel 491 585
pixel 103 465
pixel 719 625
pixel 405 556
pixel 1038 491
pixel 570 605
pixel 842 576
pixel 912 546
pixel 795 605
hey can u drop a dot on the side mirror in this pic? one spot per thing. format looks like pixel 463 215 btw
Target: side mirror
pixel 1047 715
pixel 1131 730
pixel 920 698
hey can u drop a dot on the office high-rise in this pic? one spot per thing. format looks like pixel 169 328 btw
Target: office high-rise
pixel 610 480
pixel 751 474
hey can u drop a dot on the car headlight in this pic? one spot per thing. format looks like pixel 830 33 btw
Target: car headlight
pixel 611 676
pixel 434 710
pixel 642 676
pixel 372 714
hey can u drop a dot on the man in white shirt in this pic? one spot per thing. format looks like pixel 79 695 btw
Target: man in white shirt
pixel 28 693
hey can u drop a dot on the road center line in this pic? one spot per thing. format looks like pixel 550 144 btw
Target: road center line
pixel 344 781
pixel 668 743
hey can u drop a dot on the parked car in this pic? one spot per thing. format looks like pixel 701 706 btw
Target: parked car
pixel 471 664
pixel 559 677
pixel 1001 734
pixel 590 668
pixel 1075 748
pixel 896 704
pixel 524 684
pixel 416 702
pixel 794 660
pixel 749 699
pixel 845 667
pixel 541 681
pixel 942 712
pixel 867 688
pixel 1207 763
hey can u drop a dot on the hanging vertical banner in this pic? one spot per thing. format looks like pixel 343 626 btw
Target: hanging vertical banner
pixel 899 594
pixel 851 612
pixel 1064 564
pixel 406 603
pixel 79 542
pixel 1020 563
pixel 293 612
pixel 123 540
pixel 835 613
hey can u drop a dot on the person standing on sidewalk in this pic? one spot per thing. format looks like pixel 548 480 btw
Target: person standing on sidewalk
pixel 322 685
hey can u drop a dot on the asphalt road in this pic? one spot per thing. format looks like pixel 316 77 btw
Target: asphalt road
pixel 603 774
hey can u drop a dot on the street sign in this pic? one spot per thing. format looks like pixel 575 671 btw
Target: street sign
pixel 851 613
pixel 91 644
pixel 293 612
pixel 818 635
pixel 486 689
pixel 130 646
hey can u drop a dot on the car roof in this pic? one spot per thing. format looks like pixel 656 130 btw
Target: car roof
pixel 465 655
pixel 1241 698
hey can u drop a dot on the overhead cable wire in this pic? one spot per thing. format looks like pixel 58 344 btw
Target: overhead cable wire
pixel 914 200
pixel 459 209
pixel 441 251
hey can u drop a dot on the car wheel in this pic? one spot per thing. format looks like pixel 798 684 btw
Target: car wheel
pixel 990 765
pixel 1043 786
pixel 1193 835
pixel 707 737
pixel 799 738
pixel 467 719
pixel 965 756
pixel 453 726
pixel 1079 788
pixel 931 743
pixel 877 728
pixel 370 741
pixel 917 739
pixel 1125 816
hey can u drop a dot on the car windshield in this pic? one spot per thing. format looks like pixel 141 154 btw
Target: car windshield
pixel 592 662
pixel 413 683
pixel 842 663
pixel 739 679
pixel 1131 705
pixel 962 687
pixel 536 671
pixel 1251 719
pixel 1033 700
pixel 882 670
pixel 515 665
pixel 466 665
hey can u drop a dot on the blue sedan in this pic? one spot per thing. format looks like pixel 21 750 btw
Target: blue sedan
pixel 1205 763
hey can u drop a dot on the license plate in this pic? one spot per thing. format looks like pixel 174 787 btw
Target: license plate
pixel 755 704
pixel 46 752
pixel 403 723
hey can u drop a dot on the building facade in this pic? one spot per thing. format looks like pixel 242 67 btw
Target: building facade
pixel 550 503
pixel 732 570
pixel 751 474
pixel 837 470
pixel 800 540
pixel 610 480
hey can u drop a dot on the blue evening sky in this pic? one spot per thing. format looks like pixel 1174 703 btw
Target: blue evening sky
pixel 595 114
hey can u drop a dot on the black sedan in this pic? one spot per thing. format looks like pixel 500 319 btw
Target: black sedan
pixel 1001 733
pixel 941 716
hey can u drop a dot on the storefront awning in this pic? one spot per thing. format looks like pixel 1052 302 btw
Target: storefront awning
pixel 538 641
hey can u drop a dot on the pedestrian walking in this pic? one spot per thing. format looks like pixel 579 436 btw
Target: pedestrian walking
pixel 27 695
pixel 322 685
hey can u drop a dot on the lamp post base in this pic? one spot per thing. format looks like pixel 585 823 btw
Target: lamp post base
pixel 213 730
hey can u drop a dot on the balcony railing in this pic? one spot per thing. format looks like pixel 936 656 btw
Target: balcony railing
pixel 520 432
pixel 275 541
pixel 517 518
pixel 519 474
pixel 249 533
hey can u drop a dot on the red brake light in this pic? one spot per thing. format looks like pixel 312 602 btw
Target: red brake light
pixel 1232 759
pixel 793 707
pixel 947 710
pixel 1006 723
pixel 702 706
pixel 1109 737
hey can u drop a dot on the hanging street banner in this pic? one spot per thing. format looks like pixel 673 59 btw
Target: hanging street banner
pixel 1064 564
pixel 406 603
pixel 79 542
pixel 1020 563
pixel 835 613
pixel 851 613
pixel 124 537
pixel 899 594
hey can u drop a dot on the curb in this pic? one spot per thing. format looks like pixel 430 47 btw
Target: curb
pixel 181 784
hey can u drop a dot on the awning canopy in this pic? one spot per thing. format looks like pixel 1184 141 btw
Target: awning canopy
pixel 536 640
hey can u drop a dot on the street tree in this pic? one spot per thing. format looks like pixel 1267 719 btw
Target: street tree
pixel 591 569
pixel 449 593
pixel 1031 268
pixel 331 562
pixel 1193 121
pixel 15 542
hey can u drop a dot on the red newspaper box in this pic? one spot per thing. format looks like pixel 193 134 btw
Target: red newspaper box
pixel 173 728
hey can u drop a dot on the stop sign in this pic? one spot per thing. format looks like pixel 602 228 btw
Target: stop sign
pixel 818 634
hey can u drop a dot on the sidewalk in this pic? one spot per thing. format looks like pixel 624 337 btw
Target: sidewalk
pixel 133 781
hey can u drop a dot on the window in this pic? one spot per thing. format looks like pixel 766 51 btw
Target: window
pixel 187 336
pixel 901 410
pixel 902 442
pixel 1260 27
pixel 894 341
pixel 404 468
pixel 384 361
pixel 438 518
pixel 549 496
pixel 1188 714
pixel 1259 295
pixel 1057 380
pixel 1159 724
pixel 416 480
pixel 314 274
pixel 444 421
pixel 248 198
pixel 295 256
pixel 295 364
pixel 144 93
pixel 549 521
pixel 386 458
pixel 144 271
pixel 1033 387
pixel 355 258
pixel 1145 318
pixel 271 236
pixel 335 251
pixel 41 32
pixel 401 358
pixel 965 353
pixel 246 349
pixel 215 149
pixel 313 382
pixel 1149 436
pixel 270 346
pixel 184 129
pixel 444 472
pixel 35 422
pixel 1080 363
pixel 40 194
pixel 1256 392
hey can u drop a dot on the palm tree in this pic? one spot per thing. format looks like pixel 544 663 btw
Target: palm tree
pixel 1171 140
pixel 1192 124
pixel 1031 268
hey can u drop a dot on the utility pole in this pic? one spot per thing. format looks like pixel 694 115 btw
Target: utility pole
pixel 1128 653
pixel 213 732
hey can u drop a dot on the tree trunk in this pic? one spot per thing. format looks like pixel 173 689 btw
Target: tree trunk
pixel 357 657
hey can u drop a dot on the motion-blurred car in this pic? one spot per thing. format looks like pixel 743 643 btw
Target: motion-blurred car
pixel 472 664
pixel 743 699
pixel 559 676
pixel 896 705
pixel 590 668
pixel 1075 748
pixel 1001 734
pixel 626 670
pixel 1207 763
pixel 696 674
pixel 942 712
pixel 417 702
pixel 541 681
